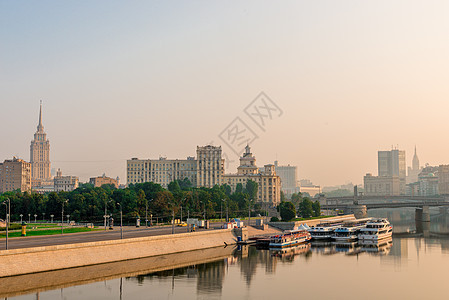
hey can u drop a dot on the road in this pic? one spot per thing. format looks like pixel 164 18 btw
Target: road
pixel 95 236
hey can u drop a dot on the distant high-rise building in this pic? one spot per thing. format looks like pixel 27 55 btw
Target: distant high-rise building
pixel 15 174
pixel 289 178
pixel 210 166
pixel 443 179
pixel 414 171
pixel 391 164
pixel 40 155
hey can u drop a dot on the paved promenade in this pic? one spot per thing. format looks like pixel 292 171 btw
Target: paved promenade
pixel 95 236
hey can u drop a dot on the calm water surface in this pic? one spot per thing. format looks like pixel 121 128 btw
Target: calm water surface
pixel 414 265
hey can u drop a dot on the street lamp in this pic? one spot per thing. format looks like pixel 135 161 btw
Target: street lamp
pixel 146 212
pixel 8 213
pixel 62 216
pixel 68 219
pixel 52 218
pixel 35 218
pixel 21 218
pixel 43 217
pixel 29 218
pixel 121 220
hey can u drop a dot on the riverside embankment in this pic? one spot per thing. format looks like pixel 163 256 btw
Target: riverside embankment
pixel 42 259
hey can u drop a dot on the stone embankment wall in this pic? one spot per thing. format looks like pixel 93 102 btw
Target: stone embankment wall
pixel 291 225
pixel 49 258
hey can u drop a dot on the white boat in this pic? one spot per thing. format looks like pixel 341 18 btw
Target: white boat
pixel 323 231
pixel 349 230
pixel 376 230
pixel 289 238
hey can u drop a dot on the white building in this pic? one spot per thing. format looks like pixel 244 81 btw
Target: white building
pixel 289 178
pixel 205 171
pixel 65 183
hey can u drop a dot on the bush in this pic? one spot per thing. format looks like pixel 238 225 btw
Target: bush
pixel 11 227
pixel 274 219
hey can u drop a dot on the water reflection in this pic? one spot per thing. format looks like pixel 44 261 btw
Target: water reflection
pixel 416 257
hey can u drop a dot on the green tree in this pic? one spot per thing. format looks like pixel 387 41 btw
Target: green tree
pixel 287 211
pixel 252 188
pixel 239 188
pixel 305 208
pixel 174 187
pixel 316 209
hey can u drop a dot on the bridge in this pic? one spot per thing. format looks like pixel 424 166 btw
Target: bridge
pixel 358 205
pixel 421 204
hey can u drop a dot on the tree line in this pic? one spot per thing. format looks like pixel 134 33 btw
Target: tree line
pixel 88 203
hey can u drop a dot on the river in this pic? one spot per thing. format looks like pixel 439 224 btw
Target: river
pixel 413 265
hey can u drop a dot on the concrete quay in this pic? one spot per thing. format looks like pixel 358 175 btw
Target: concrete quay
pixel 39 282
pixel 291 225
pixel 49 258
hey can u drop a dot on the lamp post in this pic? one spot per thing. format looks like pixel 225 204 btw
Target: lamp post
pixel 21 220
pixel 121 220
pixel 105 214
pixel 62 216
pixel 29 218
pixel 146 213
pixel 8 213
pixel 68 219
pixel 52 218
pixel 181 213
pixel 221 210
pixel 35 218
pixel 173 222
pixel 43 217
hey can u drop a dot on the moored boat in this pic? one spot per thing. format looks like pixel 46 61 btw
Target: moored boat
pixel 289 238
pixel 349 230
pixel 376 230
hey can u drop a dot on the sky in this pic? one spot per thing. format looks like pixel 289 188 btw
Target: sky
pixel 123 79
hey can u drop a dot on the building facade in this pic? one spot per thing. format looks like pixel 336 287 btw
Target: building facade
pixel 443 179
pixel 15 174
pixel 392 164
pixel 100 180
pixel 210 166
pixel 65 183
pixel 381 185
pixel 40 155
pixel 269 184
pixel 289 178
pixel 206 170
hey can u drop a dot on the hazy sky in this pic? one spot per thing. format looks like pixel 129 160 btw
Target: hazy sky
pixel 122 79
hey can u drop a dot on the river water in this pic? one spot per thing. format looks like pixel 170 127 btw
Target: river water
pixel 413 265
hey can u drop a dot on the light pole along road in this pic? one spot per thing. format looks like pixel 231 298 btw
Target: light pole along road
pixel 8 213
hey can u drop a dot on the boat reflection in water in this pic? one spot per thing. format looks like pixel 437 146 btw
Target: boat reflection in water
pixel 290 252
pixel 381 247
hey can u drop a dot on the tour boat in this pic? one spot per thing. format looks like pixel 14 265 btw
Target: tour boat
pixel 289 238
pixel 323 231
pixel 349 230
pixel 376 230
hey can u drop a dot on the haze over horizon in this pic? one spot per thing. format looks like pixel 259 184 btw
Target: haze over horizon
pixel 143 79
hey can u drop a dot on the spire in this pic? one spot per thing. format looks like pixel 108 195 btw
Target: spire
pixel 415 161
pixel 40 127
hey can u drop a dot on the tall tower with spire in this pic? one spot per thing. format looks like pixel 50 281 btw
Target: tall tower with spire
pixel 40 154
pixel 414 171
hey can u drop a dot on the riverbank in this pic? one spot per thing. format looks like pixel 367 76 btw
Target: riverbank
pixel 42 259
